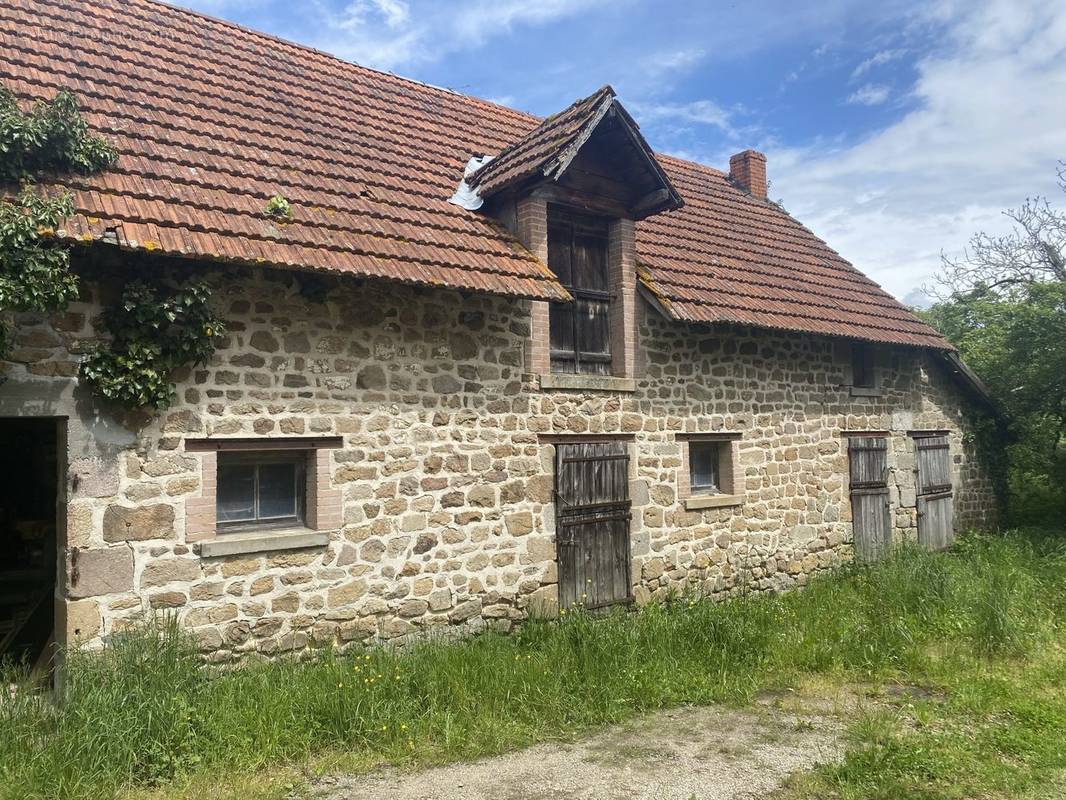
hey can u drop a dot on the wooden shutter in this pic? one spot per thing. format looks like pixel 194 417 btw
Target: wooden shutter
pixel 579 331
pixel 934 464
pixel 936 505
pixel 870 511
pixel 592 523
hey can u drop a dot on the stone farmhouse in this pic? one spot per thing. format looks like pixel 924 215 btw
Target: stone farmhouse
pixel 492 364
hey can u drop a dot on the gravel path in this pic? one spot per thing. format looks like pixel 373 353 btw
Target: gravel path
pixel 706 753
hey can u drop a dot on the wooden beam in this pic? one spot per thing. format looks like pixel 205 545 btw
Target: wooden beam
pixel 650 202
pixel 264 443
pixel 554 193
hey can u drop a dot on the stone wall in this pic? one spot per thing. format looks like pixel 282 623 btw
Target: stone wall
pixel 444 474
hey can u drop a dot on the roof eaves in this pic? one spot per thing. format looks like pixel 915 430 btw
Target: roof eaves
pixel 962 372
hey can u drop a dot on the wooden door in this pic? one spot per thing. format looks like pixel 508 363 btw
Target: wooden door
pixel 870 511
pixel 592 523
pixel 936 504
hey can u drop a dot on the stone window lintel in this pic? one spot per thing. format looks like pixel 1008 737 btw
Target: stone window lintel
pixel 866 391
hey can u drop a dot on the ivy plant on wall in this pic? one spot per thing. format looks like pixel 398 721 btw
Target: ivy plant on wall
pixel 154 331
pixel 34 270
pixel 34 273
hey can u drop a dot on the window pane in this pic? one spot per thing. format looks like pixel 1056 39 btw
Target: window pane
pixel 593 327
pixel 561 327
pixel 590 262
pixel 559 253
pixel 236 492
pixel 703 465
pixel 277 491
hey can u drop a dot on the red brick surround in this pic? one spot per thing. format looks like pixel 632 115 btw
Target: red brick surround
pixel 323 501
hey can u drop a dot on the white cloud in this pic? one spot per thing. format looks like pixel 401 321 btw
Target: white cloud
pixel 876 60
pixel 390 34
pixel 393 13
pixel 869 95
pixel 508 100
pixel 985 133
pixel 678 60
pixel 703 112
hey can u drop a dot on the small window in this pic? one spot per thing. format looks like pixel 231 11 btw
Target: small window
pixel 704 460
pixel 261 490
pixel 862 371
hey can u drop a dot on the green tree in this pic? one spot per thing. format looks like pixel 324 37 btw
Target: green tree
pixel 1004 306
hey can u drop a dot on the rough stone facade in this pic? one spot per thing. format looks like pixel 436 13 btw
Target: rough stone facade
pixel 441 487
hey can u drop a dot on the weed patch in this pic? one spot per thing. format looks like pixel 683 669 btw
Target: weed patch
pixel 977 628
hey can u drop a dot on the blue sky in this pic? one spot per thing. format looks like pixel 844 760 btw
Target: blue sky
pixel 893 129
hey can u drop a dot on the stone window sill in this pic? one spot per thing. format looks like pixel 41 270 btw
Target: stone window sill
pixel 865 391
pixel 696 502
pixel 594 383
pixel 233 544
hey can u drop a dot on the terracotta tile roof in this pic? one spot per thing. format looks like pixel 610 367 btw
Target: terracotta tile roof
pixel 728 257
pixel 211 119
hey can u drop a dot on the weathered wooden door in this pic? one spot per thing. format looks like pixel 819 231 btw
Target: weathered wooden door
pixel 592 523
pixel 936 505
pixel 870 512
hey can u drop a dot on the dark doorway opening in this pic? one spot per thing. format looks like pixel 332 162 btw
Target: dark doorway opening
pixel 29 464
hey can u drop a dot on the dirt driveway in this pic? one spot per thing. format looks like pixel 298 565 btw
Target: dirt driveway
pixel 709 753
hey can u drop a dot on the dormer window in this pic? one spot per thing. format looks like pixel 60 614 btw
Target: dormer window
pixel 580 330
pixel 591 157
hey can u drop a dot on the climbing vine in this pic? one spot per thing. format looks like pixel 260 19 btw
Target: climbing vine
pixel 154 331
pixel 34 270
pixel 50 137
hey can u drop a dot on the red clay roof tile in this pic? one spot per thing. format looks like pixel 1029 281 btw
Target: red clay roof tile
pixel 212 119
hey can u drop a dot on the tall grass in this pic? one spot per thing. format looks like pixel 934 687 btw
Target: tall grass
pixel 145 710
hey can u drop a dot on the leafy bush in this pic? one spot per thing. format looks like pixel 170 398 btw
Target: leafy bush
pixel 52 137
pixel 34 274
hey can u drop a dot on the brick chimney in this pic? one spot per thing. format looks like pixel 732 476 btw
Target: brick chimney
pixel 748 171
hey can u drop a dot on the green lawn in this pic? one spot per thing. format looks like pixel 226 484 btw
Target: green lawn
pixel 977 633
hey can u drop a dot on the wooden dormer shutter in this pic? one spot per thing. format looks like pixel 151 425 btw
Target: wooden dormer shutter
pixel 580 330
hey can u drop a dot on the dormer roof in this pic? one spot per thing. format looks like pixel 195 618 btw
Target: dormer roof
pixel 563 140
